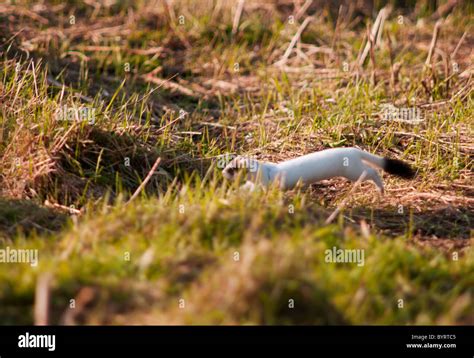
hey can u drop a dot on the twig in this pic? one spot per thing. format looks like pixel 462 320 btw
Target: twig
pixel 144 182
pixel 378 41
pixel 42 295
pixel 467 87
pixel 22 11
pixel 303 9
pixel 453 55
pixel 238 14
pixel 293 42
pixel 135 51
pixel 218 125
pixel 376 32
pixel 34 77
pixel 336 29
pixel 444 9
pixel 70 210
pixel 343 203
pixel 372 55
pixel 434 40
pixel 438 196
pixel 60 142
pixel 172 86
pixel 58 84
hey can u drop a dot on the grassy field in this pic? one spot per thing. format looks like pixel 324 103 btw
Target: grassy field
pixel 94 93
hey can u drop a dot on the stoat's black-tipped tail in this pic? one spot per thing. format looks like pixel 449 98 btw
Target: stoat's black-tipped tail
pixel 398 168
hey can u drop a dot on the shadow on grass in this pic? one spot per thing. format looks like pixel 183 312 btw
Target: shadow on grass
pixel 25 217
pixel 440 223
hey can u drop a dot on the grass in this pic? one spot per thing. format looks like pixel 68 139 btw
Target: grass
pixel 192 248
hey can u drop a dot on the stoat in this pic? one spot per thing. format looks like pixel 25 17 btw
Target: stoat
pixel 349 163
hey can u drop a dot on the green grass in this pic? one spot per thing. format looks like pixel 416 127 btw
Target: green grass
pixel 65 184
pixel 194 236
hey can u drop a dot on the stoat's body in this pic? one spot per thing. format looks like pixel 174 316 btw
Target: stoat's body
pixel 349 163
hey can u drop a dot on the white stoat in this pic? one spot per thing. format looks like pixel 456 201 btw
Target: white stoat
pixel 349 163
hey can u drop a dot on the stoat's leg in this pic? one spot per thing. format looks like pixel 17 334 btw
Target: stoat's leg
pixel 373 175
pixel 248 186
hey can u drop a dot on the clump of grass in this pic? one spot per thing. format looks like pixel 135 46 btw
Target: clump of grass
pixel 238 259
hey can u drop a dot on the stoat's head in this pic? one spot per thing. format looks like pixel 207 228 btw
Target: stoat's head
pixel 238 164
